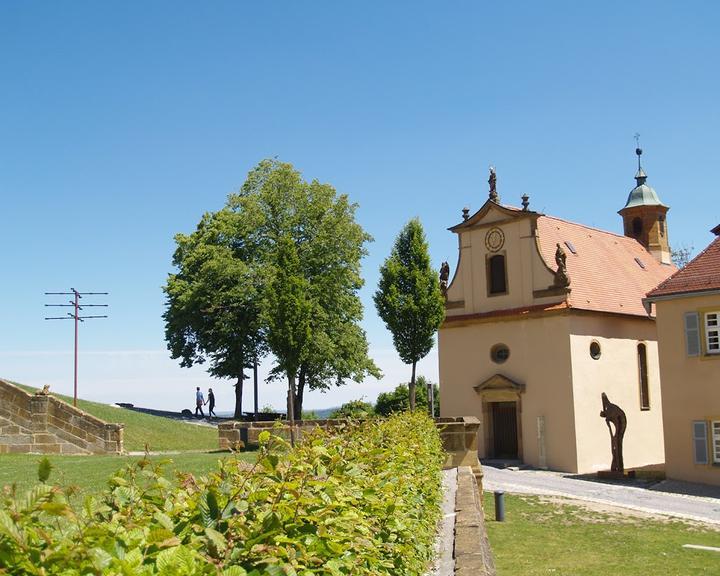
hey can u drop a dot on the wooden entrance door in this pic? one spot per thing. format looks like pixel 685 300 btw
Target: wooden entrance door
pixel 505 430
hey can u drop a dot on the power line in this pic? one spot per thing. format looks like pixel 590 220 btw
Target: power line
pixel 75 315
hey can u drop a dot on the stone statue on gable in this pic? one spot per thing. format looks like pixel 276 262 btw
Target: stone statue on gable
pixel 562 279
pixel 444 276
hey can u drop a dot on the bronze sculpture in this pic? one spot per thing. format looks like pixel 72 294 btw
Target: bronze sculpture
pixel 615 415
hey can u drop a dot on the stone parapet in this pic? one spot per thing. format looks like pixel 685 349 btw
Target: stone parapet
pixel 43 424
pixel 235 433
pixel 460 441
pixel 473 556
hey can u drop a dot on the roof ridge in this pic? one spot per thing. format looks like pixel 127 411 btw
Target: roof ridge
pixel 684 268
pixel 591 228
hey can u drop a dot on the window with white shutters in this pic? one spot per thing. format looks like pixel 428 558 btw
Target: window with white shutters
pixel 692 334
pixel 700 447
pixel 716 441
pixel 712 332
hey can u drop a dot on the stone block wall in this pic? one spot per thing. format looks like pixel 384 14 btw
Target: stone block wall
pixel 43 424
pixel 230 434
pixel 460 441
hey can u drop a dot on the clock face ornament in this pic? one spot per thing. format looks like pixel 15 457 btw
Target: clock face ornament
pixel 494 239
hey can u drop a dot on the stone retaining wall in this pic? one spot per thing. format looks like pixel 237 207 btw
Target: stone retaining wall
pixel 43 424
pixel 473 556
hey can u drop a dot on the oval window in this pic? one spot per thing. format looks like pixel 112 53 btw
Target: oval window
pixel 594 350
pixel 499 353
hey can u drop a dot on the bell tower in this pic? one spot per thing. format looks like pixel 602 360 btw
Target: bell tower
pixel 644 217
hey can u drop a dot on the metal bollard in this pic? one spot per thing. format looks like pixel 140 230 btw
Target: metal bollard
pixel 499 506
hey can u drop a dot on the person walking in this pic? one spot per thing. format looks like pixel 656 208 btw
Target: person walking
pixel 199 401
pixel 211 401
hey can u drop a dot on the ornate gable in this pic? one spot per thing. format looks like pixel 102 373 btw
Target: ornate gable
pixel 492 213
pixel 499 383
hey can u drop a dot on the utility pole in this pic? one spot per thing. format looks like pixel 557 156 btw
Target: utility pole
pixel 75 315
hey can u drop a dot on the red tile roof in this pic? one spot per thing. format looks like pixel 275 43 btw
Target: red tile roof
pixel 604 273
pixel 700 274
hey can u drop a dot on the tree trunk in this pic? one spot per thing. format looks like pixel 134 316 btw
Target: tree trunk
pixel 255 388
pixel 299 394
pixel 238 394
pixel 412 387
pixel 291 407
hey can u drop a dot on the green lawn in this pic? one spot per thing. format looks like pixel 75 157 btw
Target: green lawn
pixel 158 433
pixel 91 473
pixel 562 539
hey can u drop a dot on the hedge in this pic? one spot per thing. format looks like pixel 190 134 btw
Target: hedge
pixel 362 500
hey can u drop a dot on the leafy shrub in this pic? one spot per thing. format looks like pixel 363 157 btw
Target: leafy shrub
pixel 364 500
pixel 399 399
pixel 354 409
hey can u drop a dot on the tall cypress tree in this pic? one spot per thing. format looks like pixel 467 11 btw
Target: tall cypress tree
pixel 408 298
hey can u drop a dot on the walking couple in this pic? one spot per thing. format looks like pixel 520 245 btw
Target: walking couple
pixel 200 402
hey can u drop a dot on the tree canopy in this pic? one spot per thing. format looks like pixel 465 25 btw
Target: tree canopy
pixel 408 298
pixel 213 302
pixel 399 399
pixel 283 256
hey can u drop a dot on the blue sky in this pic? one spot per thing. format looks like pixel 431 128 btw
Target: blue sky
pixel 122 122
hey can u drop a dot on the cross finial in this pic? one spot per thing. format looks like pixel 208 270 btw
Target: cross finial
pixel 638 150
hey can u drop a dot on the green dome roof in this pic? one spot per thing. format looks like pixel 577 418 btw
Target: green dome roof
pixel 642 194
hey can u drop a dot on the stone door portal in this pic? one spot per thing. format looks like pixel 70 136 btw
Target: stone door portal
pixel 504 418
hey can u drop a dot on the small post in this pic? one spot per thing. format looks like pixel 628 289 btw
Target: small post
pixel 499 506
pixel 255 389
pixel 431 399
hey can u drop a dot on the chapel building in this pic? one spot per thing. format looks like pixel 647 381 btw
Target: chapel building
pixel 544 315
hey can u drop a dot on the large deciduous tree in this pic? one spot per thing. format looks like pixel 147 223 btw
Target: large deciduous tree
pixel 408 298
pixel 279 265
pixel 214 301
pixel 288 311
pixel 329 244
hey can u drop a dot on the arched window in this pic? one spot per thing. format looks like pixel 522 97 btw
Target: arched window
pixel 637 226
pixel 643 376
pixel 497 275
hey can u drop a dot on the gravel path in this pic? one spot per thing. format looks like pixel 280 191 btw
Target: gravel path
pixel 650 499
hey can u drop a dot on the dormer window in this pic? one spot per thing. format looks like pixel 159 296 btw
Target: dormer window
pixel 496 275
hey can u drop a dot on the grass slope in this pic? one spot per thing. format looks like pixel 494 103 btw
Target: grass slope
pixel 160 434
pixel 540 537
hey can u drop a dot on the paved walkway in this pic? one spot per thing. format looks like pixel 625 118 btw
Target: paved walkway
pixel 666 498
pixel 444 562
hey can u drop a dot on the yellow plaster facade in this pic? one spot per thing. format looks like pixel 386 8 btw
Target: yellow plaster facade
pixel 690 389
pixel 549 382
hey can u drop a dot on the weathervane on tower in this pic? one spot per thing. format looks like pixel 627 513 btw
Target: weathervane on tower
pixel 638 150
